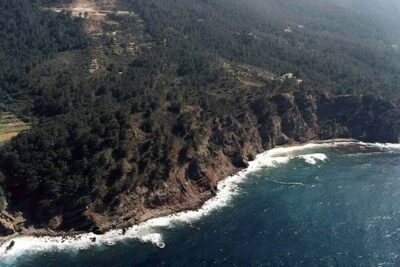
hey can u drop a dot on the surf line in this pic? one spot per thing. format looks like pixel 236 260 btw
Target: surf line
pixel 149 231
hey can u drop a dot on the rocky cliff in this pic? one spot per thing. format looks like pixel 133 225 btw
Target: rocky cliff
pixel 205 149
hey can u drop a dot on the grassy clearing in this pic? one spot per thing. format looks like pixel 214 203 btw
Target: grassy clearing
pixel 10 126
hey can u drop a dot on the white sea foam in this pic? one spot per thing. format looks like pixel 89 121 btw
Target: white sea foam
pixel 314 158
pixel 382 145
pixel 150 231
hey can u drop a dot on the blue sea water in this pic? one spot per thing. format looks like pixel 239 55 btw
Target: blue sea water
pixel 344 211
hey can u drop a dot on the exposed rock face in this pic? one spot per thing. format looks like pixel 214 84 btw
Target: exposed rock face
pixel 302 117
pixel 10 224
pixel 221 146
pixel 229 143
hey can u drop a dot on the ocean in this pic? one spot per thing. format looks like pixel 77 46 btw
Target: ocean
pixel 312 205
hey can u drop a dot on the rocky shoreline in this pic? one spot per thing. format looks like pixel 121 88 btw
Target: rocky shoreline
pixel 226 147
pixel 8 242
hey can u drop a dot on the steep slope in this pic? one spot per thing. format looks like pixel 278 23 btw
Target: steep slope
pixel 156 172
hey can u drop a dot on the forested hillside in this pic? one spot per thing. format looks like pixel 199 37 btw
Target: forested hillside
pixel 134 105
pixel 28 36
pixel 382 12
pixel 328 45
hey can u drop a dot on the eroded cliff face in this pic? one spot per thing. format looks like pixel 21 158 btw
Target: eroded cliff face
pixel 300 117
pixel 210 148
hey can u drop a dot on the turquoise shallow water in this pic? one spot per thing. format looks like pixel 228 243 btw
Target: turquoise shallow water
pixel 347 213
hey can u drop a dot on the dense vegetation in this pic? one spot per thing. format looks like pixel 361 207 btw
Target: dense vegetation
pixel 335 48
pixel 29 36
pixel 81 148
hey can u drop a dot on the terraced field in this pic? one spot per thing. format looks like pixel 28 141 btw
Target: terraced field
pixel 10 126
